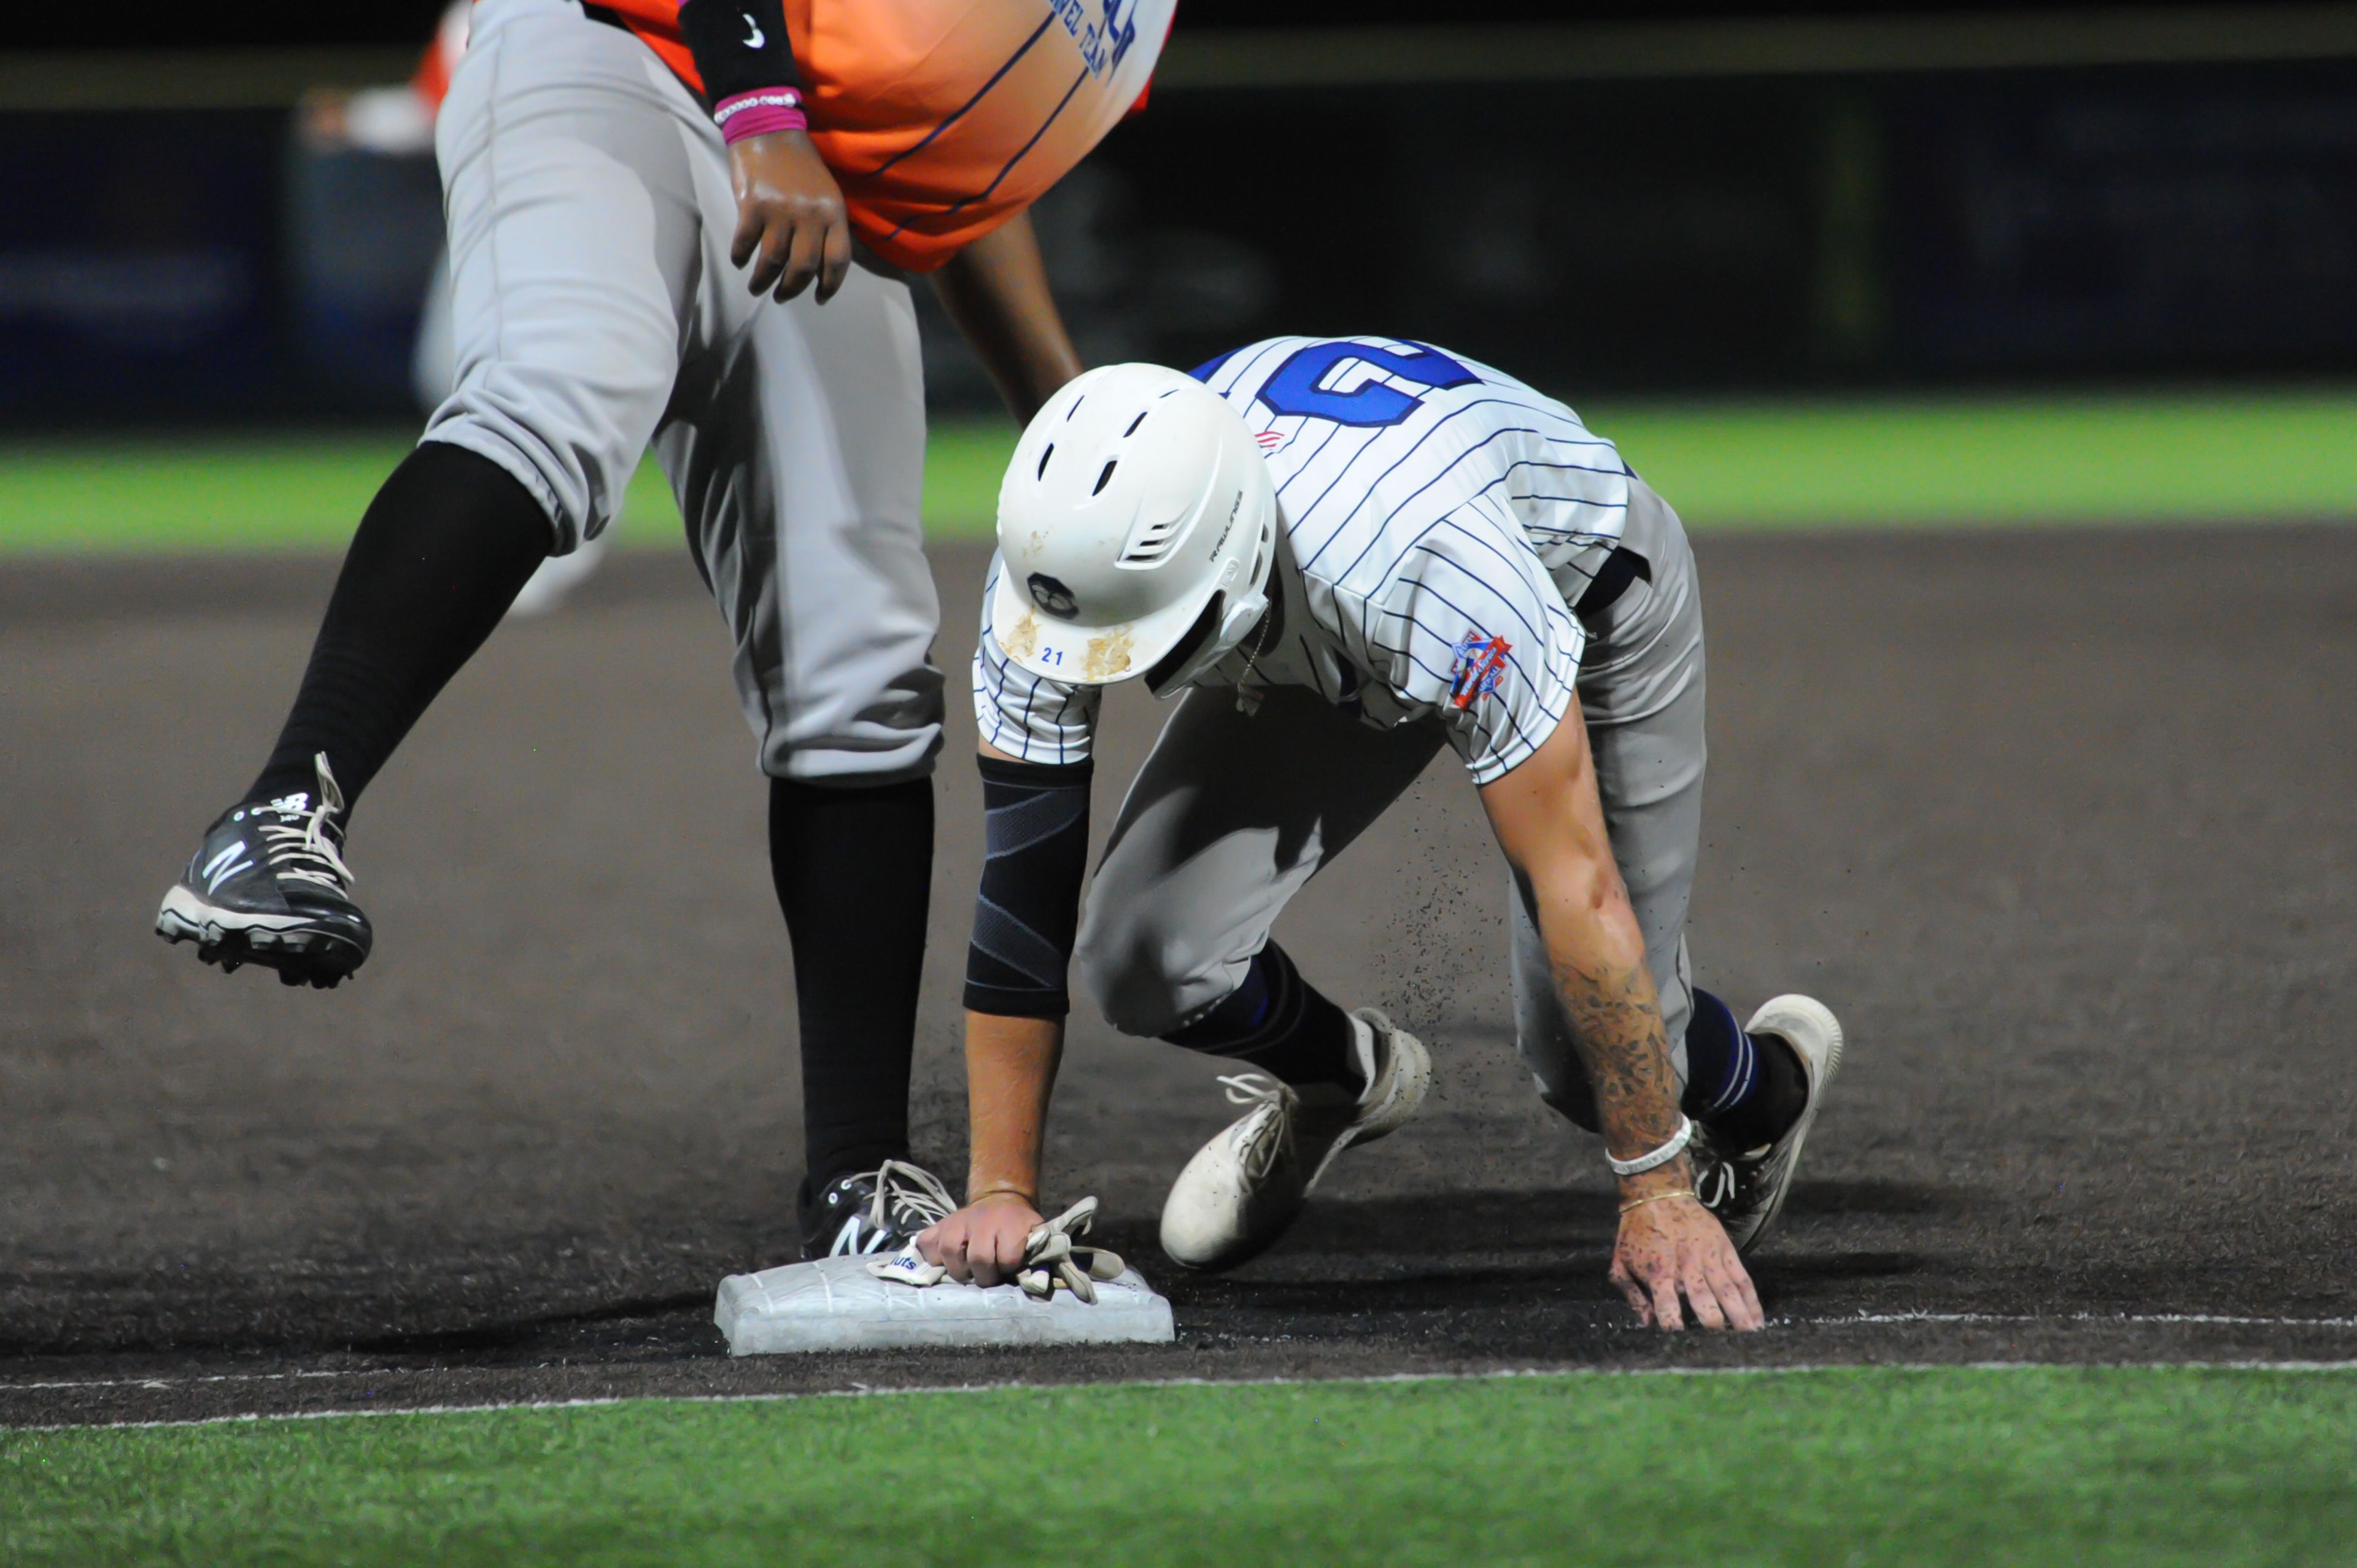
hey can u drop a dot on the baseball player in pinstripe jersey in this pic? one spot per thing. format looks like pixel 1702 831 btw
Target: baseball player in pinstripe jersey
pixel 1341 556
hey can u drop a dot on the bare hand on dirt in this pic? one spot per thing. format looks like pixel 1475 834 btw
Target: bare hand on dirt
pixel 1673 1247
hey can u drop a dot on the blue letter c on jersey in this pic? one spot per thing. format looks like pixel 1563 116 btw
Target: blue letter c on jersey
pixel 1294 388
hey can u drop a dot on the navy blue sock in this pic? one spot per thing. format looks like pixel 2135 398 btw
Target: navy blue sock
pixel 1746 1088
pixel 1277 1021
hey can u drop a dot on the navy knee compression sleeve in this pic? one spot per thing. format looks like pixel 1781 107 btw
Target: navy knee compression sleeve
pixel 1037 840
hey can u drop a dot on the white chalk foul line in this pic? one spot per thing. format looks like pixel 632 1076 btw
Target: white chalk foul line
pixel 8 1388
pixel 862 1391
pixel 1864 1319
pixel 2136 1319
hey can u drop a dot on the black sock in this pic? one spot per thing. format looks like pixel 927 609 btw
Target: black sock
pixel 441 553
pixel 854 869
pixel 1277 1021
pixel 1746 1088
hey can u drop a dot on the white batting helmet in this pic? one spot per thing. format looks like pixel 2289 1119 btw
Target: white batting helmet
pixel 1136 522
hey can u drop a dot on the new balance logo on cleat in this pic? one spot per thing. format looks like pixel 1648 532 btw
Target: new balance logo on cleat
pixel 269 887
pixel 858 1237
pixel 874 1211
pixel 225 864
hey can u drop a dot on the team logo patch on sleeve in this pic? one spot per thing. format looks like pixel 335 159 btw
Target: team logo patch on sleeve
pixel 1478 664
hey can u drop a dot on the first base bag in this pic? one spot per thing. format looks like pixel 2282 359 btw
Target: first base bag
pixel 840 1303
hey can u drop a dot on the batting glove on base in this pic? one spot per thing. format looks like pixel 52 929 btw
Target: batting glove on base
pixel 1053 1259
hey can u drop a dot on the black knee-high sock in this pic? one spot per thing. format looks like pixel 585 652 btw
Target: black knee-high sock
pixel 854 870
pixel 441 553
pixel 1279 1023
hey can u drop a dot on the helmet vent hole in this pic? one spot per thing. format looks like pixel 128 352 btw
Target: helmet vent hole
pixel 1135 423
pixel 1043 461
pixel 1151 543
pixel 1104 478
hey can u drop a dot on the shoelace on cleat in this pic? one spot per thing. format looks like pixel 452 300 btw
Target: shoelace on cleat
pixel 301 848
pixel 902 1187
pixel 1269 1131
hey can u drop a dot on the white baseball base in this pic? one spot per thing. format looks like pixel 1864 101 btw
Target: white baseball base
pixel 836 1304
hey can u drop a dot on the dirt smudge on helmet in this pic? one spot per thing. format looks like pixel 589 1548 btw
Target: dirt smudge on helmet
pixel 1107 656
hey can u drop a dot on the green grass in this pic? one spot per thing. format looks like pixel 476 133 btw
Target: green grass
pixel 91 496
pixel 2216 459
pixel 2082 1466
pixel 2219 458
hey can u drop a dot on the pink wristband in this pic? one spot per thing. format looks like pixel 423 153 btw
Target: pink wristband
pixel 759 112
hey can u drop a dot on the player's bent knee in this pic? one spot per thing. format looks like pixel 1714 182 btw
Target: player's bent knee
pixel 576 469
pixel 1138 993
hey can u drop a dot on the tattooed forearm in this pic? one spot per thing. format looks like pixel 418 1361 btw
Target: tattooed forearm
pixel 1549 818
pixel 1616 1023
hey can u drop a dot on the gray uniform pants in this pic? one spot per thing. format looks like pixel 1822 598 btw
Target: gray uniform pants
pixel 595 311
pixel 1232 814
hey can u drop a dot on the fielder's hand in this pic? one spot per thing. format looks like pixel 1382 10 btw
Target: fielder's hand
pixel 790 220
pixel 1671 1246
pixel 983 1243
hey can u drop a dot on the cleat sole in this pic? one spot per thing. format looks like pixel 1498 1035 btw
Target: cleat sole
pixel 300 952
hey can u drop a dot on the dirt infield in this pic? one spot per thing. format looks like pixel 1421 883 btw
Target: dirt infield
pixel 2064 825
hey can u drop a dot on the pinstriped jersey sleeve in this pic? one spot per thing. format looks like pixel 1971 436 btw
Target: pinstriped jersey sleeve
pixel 1478 635
pixel 1028 716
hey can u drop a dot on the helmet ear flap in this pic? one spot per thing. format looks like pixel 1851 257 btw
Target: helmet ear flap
pixel 1225 623
pixel 1226 620
pixel 1187 657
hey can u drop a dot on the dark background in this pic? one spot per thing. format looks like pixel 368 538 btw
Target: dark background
pixel 1665 230
pixel 281 22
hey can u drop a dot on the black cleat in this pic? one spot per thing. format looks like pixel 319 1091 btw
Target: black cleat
pixel 267 886
pixel 878 1211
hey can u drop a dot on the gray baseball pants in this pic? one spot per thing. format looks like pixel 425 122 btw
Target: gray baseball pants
pixel 595 311
pixel 1232 815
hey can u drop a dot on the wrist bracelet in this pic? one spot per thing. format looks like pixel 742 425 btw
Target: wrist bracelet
pixel 759 114
pixel 1658 1196
pixel 997 1188
pixel 1661 1156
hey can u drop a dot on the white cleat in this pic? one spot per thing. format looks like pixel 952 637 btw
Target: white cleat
pixel 1747 1190
pixel 1243 1187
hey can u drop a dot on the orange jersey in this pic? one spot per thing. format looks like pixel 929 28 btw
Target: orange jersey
pixel 431 82
pixel 941 119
